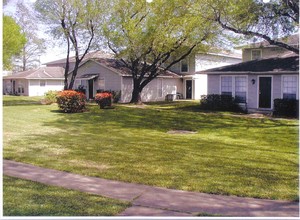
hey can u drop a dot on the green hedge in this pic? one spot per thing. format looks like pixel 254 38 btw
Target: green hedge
pixel 217 102
pixel 286 107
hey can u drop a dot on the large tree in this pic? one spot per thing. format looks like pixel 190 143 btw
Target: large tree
pixel 13 41
pixel 35 46
pixel 74 21
pixel 151 37
pixel 269 20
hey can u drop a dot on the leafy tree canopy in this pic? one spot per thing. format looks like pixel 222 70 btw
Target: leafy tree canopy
pixel 267 20
pixel 35 46
pixel 13 41
pixel 74 21
pixel 151 37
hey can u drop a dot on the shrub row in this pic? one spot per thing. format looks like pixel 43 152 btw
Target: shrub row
pixel 215 102
pixel 286 107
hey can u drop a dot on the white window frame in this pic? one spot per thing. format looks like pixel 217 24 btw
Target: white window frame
pixel 233 84
pixel 159 87
pixel 188 66
pixel 21 88
pixel 297 84
pixel 260 50
pixel 101 79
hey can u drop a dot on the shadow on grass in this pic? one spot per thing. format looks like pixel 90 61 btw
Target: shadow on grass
pixel 21 100
pixel 178 118
pixel 226 155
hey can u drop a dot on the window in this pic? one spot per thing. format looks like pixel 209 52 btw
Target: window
pixel 235 86
pixel 226 85
pixel 101 83
pixel 255 54
pixel 184 67
pixel 42 83
pixel 289 87
pixel 20 89
pixel 240 89
pixel 77 83
pixel 160 87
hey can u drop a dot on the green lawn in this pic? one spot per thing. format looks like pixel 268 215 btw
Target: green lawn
pixel 229 154
pixel 27 198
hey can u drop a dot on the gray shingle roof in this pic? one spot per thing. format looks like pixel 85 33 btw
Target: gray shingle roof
pixel 91 55
pixel 40 73
pixel 264 65
pixel 119 67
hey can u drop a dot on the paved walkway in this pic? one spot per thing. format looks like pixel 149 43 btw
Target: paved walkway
pixel 155 201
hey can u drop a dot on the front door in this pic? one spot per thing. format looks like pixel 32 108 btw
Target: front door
pixel 91 89
pixel 265 92
pixel 14 87
pixel 189 89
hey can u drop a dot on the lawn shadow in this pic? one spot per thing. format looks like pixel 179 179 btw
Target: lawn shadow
pixel 20 100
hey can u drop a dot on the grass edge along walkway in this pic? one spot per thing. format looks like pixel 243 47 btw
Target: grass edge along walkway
pixel 155 198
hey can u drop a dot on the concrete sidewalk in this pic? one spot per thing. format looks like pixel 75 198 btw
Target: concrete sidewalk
pixel 155 201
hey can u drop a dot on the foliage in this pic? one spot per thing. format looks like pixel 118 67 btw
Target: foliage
pixel 266 20
pixel 150 38
pixel 286 107
pixel 13 41
pixel 74 21
pixel 51 97
pixel 230 154
pixel 216 102
pixel 35 46
pixel 70 101
pixel 36 199
pixel 103 99
pixel 116 95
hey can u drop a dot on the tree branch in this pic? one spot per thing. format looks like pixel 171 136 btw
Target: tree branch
pixel 252 33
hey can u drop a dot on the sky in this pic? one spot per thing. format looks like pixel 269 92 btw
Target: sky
pixel 53 52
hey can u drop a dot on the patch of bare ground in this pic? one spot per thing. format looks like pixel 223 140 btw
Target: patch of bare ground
pixel 181 132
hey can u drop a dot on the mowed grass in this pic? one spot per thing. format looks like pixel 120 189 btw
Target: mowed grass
pixel 27 198
pixel 229 155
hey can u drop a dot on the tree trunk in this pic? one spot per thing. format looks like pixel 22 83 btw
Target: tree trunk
pixel 67 65
pixel 136 96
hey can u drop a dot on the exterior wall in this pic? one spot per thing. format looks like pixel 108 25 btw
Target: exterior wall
pixel 200 85
pixel 209 61
pixel 31 87
pixel 112 80
pixel 35 88
pixel 267 52
pixel 191 66
pixel 213 84
pixel 63 65
pixel 156 90
pixel 19 83
pixel 126 90
pixel 214 87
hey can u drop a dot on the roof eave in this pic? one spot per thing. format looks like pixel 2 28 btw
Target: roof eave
pixel 250 72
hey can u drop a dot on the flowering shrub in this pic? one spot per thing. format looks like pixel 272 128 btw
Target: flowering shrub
pixel 70 101
pixel 116 95
pixel 103 99
pixel 50 97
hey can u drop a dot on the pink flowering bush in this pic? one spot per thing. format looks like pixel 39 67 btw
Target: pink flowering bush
pixel 103 99
pixel 70 101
